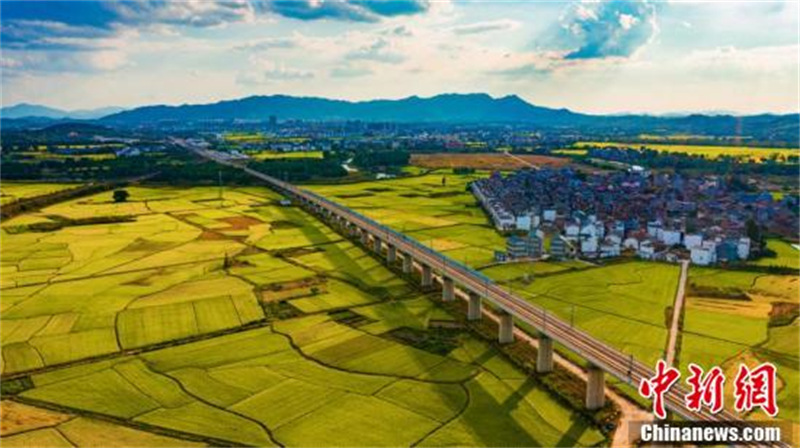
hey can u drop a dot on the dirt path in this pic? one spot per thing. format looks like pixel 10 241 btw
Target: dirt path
pixel 521 160
pixel 677 312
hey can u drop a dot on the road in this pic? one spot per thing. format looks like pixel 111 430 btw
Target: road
pixel 677 312
pixel 614 362
pixel 521 160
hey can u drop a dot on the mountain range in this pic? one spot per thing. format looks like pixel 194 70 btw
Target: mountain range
pixel 25 110
pixel 446 108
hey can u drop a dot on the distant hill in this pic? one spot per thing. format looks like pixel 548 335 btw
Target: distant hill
pixel 25 110
pixel 476 108
pixel 458 108
pixel 441 108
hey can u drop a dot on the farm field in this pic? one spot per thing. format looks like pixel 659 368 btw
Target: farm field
pixel 14 191
pixel 486 161
pixel 518 270
pixel 436 209
pixel 711 152
pixel 261 327
pixel 275 155
pixel 733 317
pixel 180 264
pixel 311 381
pixel 622 304
pixel 28 426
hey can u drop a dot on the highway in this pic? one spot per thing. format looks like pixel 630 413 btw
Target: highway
pixel 609 359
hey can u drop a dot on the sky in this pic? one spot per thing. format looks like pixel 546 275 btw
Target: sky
pixel 607 56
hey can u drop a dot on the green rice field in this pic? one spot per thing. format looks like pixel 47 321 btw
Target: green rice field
pixel 727 332
pixel 311 382
pixel 436 209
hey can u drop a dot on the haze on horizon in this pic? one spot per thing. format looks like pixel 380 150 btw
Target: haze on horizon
pixel 612 56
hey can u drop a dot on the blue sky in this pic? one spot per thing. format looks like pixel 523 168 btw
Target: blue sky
pixel 606 56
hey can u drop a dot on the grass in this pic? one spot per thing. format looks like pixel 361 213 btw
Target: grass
pixel 711 152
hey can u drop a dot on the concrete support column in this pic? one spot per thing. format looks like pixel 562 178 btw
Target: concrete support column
pixel 544 358
pixel 376 243
pixel 427 276
pixel 595 388
pixel 474 307
pixel 506 331
pixel 408 263
pixel 364 237
pixel 391 253
pixel 448 289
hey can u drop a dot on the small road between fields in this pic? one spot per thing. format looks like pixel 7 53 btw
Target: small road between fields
pixel 677 313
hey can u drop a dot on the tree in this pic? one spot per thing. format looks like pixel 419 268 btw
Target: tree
pixel 121 195
pixel 754 233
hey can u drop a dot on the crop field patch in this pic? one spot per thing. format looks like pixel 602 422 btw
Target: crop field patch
pixel 708 151
pixel 623 304
pixel 723 331
pixel 486 161
pixel 436 209
pixel 14 191
pixel 255 379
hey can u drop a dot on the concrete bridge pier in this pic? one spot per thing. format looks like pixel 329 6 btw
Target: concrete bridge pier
pixel 364 237
pixel 377 244
pixel 506 327
pixel 427 276
pixel 408 263
pixel 544 357
pixel 391 253
pixel 595 388
pixel 448 289
pixel 474 307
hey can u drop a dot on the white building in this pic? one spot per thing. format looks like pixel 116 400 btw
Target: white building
pixel 654 229
pixel 631 243
pixel 703 256
pixel 589 246
pixel 743 248
pixel 549 215
pixel 610 247
pixel 692 240
pixel 670 237
pixel 589 231
pixel 646 250
pixel 504 221
pixel 524 222
pixel 572 230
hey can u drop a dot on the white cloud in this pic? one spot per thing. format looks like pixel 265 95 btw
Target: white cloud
pixel 486 27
